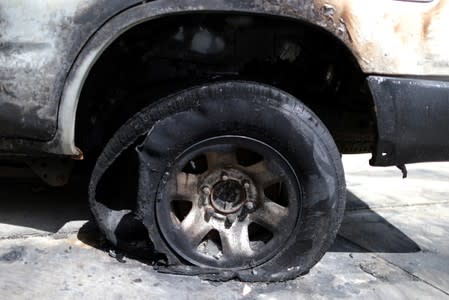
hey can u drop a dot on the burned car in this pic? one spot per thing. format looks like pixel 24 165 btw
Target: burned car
pixel 212 131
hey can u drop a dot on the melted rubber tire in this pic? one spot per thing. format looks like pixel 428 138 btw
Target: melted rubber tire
pixel 274 117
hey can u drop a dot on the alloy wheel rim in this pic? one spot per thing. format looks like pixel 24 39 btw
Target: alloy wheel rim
pixel 228 202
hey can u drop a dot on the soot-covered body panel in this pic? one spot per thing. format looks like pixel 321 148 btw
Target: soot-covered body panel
pixel 47 49
pixel 39 40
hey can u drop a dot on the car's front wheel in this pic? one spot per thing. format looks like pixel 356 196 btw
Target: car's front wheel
pixel 234 179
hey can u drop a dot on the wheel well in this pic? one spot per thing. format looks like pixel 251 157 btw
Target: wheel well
pixel 159 57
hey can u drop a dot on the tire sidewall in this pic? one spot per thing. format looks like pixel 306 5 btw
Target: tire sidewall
pixel 270 116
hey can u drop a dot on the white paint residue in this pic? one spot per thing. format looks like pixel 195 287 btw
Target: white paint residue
pixel 246 290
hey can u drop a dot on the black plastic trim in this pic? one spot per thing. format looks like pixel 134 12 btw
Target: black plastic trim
pixel 412 120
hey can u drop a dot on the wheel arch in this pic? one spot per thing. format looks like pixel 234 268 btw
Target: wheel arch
pixel 308 13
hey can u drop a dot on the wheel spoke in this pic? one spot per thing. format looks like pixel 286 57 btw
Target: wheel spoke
pixel 195 227
pixel 187 185
pixel 270 214
pixel 235 241
pixel 262 174
pixel 218 159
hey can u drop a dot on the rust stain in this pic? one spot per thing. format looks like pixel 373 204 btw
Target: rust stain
pixel 398 28
pixel 428 16
pixel 394 37
pixel 73 241
pixel 426 25
pixel 347 16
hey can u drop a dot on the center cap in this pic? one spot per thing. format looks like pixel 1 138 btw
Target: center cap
pixel 228 196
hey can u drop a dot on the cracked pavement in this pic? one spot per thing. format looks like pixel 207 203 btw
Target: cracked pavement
pixel 392 244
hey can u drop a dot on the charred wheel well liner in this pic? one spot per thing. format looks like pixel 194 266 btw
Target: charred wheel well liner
pixel 293 55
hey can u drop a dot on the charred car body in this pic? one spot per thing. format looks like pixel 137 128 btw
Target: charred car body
pixel 227 117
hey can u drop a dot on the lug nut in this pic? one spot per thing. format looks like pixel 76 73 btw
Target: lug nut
pixel 246 185
pixel 249 205
pixel 206 190
pixel 225 177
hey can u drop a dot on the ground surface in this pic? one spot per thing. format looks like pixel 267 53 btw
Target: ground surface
pixel 393 244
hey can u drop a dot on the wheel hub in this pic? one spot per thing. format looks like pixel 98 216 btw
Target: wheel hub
pixel 228 190
pixel 227 196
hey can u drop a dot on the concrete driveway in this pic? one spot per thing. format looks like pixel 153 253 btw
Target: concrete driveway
pixel 393 244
